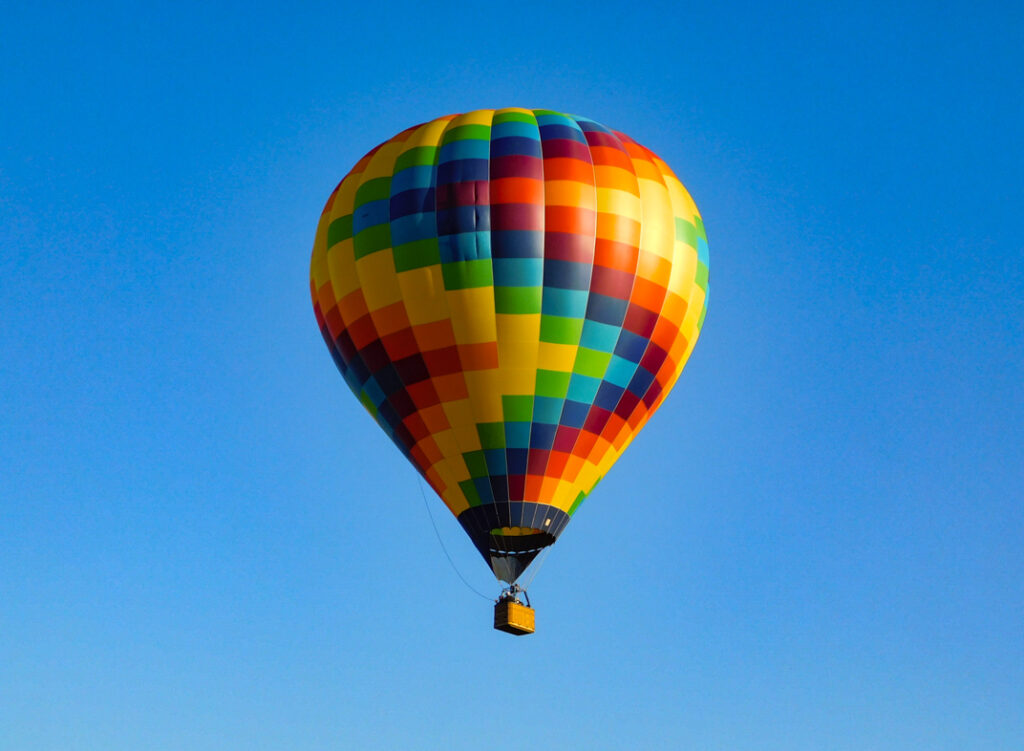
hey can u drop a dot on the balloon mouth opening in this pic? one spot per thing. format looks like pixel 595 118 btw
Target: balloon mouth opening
pixel 509 535
pixel 515 531
pixel 510 555
pixel 518 544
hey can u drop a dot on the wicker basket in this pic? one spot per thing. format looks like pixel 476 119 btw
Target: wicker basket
pixel 513 618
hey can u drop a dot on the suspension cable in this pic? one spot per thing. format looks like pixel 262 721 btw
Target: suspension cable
pixel 443 548
pixel 538 562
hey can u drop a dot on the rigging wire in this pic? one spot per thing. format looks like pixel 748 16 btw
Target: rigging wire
pixel 535 568
pixel 443 548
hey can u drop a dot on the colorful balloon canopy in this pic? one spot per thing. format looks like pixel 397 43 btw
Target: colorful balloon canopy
pixel 511 294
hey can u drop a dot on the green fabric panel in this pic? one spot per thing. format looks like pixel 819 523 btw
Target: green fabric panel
pixel 702 276
pixel 492 434
pixel 517 299
pixel 517 408
pixel 559 330
pixel 480 132
pixel 338 230
pixel 367 402
pixel 476 463
pixel 420 156
pixel 552 383
pixel 576 504
pixel 417 254
pixel 465 274
pixel 515 117
pixel 469 490
pixel 590 362
pixel 373 190
pixel 686 232
pixel 372 239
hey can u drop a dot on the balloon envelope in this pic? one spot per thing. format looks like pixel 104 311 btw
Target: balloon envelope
pixel 510 294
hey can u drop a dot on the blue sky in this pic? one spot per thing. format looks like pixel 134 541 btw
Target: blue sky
pixel 205 543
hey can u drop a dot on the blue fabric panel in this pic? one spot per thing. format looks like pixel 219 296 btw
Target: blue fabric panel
pixel 620 371
pixel 601 337
pixel 463 170
pixel 542 435
pixel 518 272
pixel 574 413
pixel 517 435
pixel 412 201
pixel 375 392
pixel 412 177
pixel 513 128
pixel 463 219
pixel 518 243
pixel 495 459
pixel 465 246
pixel 608 396
pixel 483 487
pixel 583 388
pixel 466 148
pixel 631 346
pixel 641 381
pixel 568 303
pixel 499 487
pixel 406 229
pixel 528 146
pixel 371 214
pixel 518 457
pixel 566 274
pixel 547 409
pixel 558 130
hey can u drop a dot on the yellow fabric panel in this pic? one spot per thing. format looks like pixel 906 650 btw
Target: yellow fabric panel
pixel 517 381
pixel 318 272
pixel 517 328
pixel 460 416
pixel 559 357
pixel 424 294
pixel 659 229
pixel 477 117
pixel 469 314
pixel 341 255
pixel 382 163
pixel 341 266
pixel 379 279
pixel 447 442
pixel 516 353
pixel 572 470
pixel 623 203
pixel 485 394
pixel 606 458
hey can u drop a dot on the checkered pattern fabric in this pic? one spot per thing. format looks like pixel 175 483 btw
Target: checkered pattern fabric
pixel 511 294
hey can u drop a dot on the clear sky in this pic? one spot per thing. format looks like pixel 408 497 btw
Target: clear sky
pixel 206 543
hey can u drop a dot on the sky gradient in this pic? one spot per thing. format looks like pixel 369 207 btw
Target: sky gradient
pixel 206 543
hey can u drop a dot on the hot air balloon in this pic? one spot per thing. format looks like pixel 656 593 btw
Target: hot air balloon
pixel 511 294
